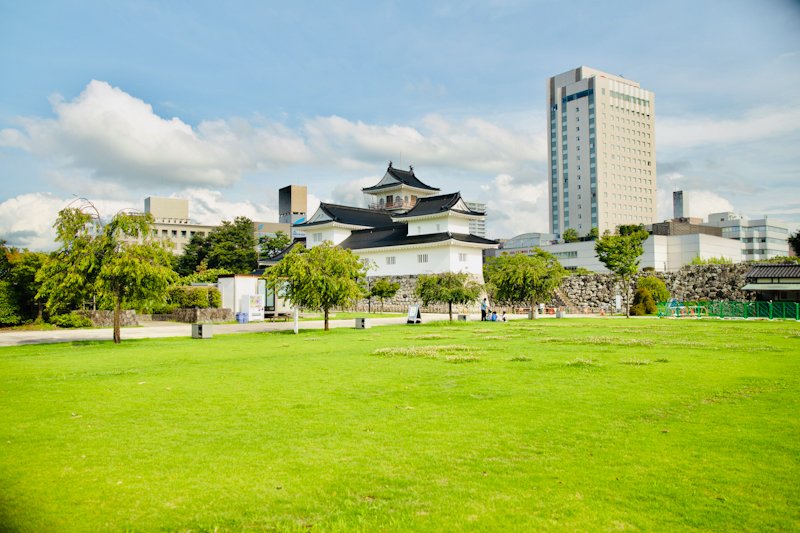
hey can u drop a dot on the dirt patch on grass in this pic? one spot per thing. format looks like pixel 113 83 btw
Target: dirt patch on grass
pixel 453 353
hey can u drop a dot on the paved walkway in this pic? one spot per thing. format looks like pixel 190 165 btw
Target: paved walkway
pixel 152 330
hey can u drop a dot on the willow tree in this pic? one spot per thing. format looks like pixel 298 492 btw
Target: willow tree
pixel 521 278
pixel 322 277
pixel 118 265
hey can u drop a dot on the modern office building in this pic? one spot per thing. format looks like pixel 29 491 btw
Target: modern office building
pixel 172 223
pixel 293 206
pixel 761 238
pixel 602 151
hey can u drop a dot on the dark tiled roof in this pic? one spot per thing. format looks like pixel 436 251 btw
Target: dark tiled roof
pixel 403 176
pixel 788 270
pixel 397 235
pixel 436 204
pixel 355 216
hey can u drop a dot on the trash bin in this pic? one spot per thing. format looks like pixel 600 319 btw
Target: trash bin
pixel 201 331
pixel 361 323
pixel 245 318
pixel 561 313
pixel 238 318
pixel 462 318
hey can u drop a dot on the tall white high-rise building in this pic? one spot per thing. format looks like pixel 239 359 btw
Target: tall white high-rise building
pixel 602 148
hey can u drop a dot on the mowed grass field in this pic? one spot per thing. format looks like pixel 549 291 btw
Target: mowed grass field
pixel 580 425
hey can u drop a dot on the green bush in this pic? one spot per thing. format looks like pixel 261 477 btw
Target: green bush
pixel 643 303
pixel 9 311
pixel 181 296
pixel 656 287
pixel 214 298
pixel 71 321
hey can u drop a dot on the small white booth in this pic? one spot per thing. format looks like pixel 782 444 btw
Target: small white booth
pixel 246 293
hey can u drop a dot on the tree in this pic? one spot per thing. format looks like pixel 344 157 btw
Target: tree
pixel 383 288
pixel 193 256
pixel 447 288
pixel 18 269
pixel 570 235
pixel 272 246
pixel 794 242
pixel 232 246
pixel 68 276
pixel 593 234
pixel 620 254
pixel 119 264
pixel 657 288
pixel 524 278
pixel 322 277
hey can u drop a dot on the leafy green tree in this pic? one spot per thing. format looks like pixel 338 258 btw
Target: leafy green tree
pixel 10 314
pixel 68 276
pixel 658 290
pixel 570 235
pixel 620 254
pixel 271 246
pixel 195 254
pixel 322 277
pixel 132 273
pixel 447 288
pixel 119 263
pixel 593 234
pixel 18 268
pixel 382 288
pixel 523 278
pixel 232 246
pixel 794 242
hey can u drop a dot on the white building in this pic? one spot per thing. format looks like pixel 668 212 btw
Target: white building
pixel 763 238
pixel 602 151
pixel 408 230
pixel 664 253
pixel 171 221
pixel 478 225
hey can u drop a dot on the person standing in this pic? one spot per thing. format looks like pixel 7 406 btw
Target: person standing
pixel 484 307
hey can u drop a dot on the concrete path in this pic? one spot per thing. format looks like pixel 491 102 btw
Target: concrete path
pixel 152 330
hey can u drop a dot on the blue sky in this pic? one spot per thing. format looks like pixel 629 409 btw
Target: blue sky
pixel 223 103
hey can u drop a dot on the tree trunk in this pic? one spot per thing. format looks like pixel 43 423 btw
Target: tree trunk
pixel 627 298
pixel 117 311
pixel 450 310
pixel 325 313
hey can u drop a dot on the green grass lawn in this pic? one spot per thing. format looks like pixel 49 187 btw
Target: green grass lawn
pixel 579 425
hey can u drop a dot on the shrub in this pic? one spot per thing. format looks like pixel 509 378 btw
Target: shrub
pixel 71 321
pixel 643 303
pixel 656 287
pixel 181 296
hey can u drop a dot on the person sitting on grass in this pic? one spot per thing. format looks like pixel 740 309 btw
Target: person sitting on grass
pixel 494 316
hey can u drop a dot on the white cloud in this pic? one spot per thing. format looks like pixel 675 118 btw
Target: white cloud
pixel 26 221
pixel 118 137
pixel 472 144
pixel 514 207
pixel 696 203
pixel 757 124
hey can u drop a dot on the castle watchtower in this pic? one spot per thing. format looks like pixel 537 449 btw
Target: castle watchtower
pixel 397 192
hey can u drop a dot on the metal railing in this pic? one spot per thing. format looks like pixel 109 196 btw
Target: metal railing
pixel 730 309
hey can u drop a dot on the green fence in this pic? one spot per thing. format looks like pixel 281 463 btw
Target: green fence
pixel 730 309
